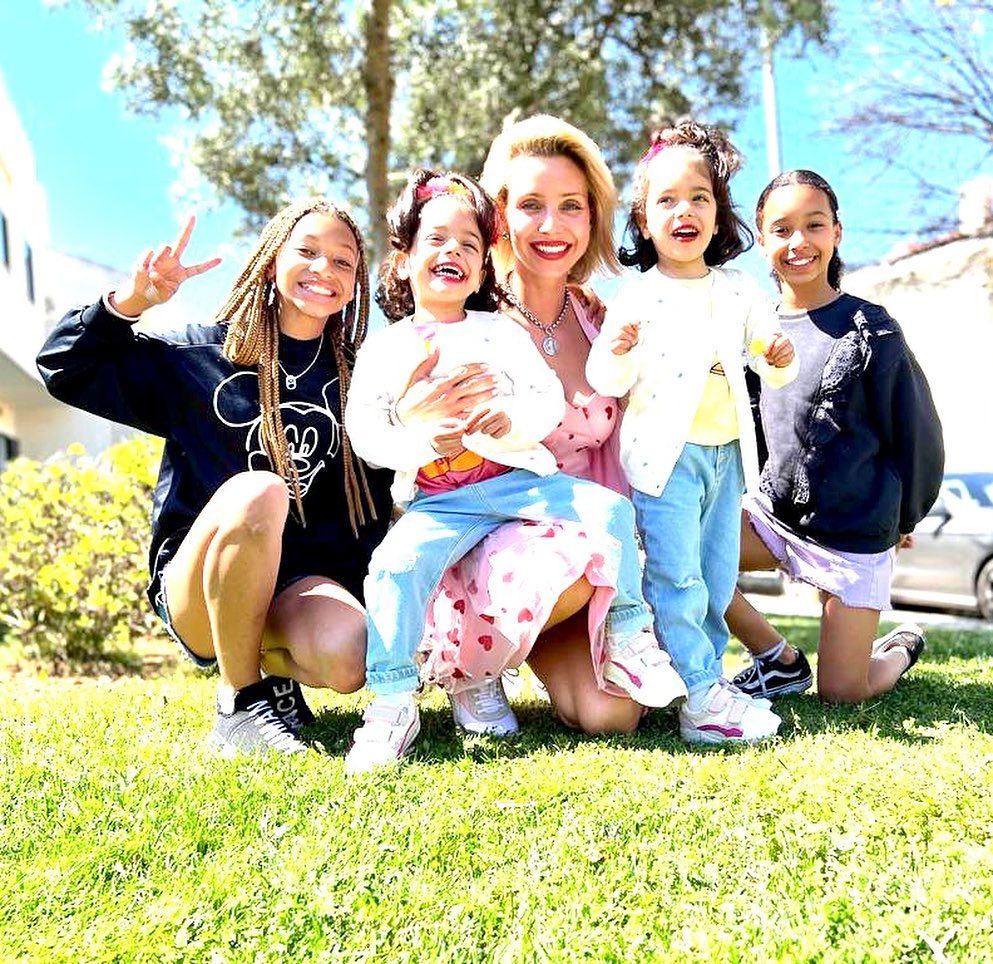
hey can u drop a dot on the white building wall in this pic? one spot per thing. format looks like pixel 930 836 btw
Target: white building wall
pixel 943 300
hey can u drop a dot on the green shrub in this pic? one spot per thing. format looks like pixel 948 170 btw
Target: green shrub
pixel 75 533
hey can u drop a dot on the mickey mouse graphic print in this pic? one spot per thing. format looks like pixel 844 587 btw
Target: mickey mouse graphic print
pixel 181 387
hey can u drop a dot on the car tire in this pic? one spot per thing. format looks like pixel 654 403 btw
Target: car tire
pixel 984 590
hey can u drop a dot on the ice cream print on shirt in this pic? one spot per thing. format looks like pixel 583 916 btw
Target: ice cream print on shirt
pixel 313 432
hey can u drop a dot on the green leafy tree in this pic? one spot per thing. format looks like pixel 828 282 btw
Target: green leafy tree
pixel 284 96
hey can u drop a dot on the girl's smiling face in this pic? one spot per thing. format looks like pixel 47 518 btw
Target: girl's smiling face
pixel 680 211
pixel 314 273
pixel 445 263
pixel 548 214
pixel 799 234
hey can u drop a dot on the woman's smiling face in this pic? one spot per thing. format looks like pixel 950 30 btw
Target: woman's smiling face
pixel 548 214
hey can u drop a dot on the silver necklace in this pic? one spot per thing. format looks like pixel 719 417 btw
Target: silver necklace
pixel 291 380
pixel 549 344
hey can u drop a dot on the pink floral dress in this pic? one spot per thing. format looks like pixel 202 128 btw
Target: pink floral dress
pixel 492 604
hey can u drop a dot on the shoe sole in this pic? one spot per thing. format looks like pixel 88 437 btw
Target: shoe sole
pixel 787 689
pixel 712 738
pixel 231 751
pixel 500 734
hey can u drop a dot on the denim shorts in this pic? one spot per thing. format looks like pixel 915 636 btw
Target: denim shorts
pixel 160 603
pixel 161 606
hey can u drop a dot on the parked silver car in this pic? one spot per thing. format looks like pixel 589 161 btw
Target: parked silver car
pixel 951 563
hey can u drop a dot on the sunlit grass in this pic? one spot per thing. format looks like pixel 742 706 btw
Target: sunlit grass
pixel 862 834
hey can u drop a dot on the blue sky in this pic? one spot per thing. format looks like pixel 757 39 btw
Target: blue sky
pixel 109 177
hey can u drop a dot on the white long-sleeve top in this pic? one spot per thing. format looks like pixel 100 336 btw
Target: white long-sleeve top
pixel 665 372
pixel 532 396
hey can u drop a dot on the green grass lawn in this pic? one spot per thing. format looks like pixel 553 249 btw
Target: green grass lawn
pixel 861 834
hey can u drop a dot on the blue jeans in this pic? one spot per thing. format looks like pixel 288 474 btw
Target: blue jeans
pixel 691 533
pixel 438 530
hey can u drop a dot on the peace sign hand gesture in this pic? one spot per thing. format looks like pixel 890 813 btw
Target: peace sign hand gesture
pixel 158 275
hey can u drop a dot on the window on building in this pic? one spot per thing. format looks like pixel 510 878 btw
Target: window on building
pixel 9 450
pixel 29 271
pixel 4 247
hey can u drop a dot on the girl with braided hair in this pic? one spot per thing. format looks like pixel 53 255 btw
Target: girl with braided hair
pixel 263 520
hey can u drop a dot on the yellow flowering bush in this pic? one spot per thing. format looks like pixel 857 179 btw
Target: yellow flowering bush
pixel 74 534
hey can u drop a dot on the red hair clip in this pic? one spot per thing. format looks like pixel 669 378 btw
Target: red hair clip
pixel 439 185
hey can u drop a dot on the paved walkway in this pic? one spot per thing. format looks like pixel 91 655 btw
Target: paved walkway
pixel 801 600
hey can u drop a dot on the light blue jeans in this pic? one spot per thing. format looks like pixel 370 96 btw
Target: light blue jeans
pixel 691 534
pixel 438 530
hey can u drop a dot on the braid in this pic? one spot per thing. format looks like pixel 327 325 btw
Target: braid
pixel 252 318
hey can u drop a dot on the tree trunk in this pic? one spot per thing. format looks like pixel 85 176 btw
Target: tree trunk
pixel 377 76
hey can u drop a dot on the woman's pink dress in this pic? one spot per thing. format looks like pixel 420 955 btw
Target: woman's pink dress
pixel 491 605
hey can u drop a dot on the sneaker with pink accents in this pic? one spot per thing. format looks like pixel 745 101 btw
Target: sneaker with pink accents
pixel 388 730
pixel 638 666
pixel 719 715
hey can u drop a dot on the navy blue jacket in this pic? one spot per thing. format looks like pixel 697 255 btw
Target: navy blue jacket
pixel 869 460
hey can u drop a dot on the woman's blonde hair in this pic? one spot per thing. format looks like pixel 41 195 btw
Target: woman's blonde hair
pixel 547 136
pixel 251 313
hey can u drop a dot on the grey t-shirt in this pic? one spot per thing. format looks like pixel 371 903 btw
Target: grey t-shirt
pixel 785 411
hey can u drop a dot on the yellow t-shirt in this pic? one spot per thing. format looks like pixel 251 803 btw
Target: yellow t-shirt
pixel 715 421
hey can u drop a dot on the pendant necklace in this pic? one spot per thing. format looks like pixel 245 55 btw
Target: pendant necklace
pixel 549 344
pixel 291 380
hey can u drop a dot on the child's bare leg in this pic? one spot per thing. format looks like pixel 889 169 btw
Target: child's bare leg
pixel 846 670
pixel 220 582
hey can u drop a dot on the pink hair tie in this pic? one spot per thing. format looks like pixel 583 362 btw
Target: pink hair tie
pixel 439 185
pixel 658 146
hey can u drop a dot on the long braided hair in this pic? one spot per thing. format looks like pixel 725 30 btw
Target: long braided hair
pixel 251 313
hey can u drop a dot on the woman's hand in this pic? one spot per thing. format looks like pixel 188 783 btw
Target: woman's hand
pixel 158 275
pixel 453 396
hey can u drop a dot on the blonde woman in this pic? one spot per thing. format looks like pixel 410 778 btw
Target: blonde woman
pixel 263 521
pixel 541 593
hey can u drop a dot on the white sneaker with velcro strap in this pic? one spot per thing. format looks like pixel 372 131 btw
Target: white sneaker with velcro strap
pixel 387 733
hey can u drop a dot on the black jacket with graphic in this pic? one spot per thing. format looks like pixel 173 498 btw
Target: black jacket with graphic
pixel 866 464
pixel 181 387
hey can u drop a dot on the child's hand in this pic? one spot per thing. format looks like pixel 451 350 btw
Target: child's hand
pixel 448 441
pixel 780 351
pixel 494 424
pixel 906 542
pixel 626 338
pixel 158 275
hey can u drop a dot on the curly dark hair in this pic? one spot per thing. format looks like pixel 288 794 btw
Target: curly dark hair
pixel 809 179
pixel 393 293
pixel 723 160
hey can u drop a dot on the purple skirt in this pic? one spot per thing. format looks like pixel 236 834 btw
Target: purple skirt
pixel 859 579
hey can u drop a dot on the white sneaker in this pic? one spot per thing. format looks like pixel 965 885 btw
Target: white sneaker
pixel 387 732
pixel 638 666
pixel 739 694
pixel 718 716
pixel 483 708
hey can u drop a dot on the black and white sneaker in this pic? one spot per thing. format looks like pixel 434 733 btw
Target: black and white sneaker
pixel 253 725
pixel 772 677
pixel 908 637
pixel 286 696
